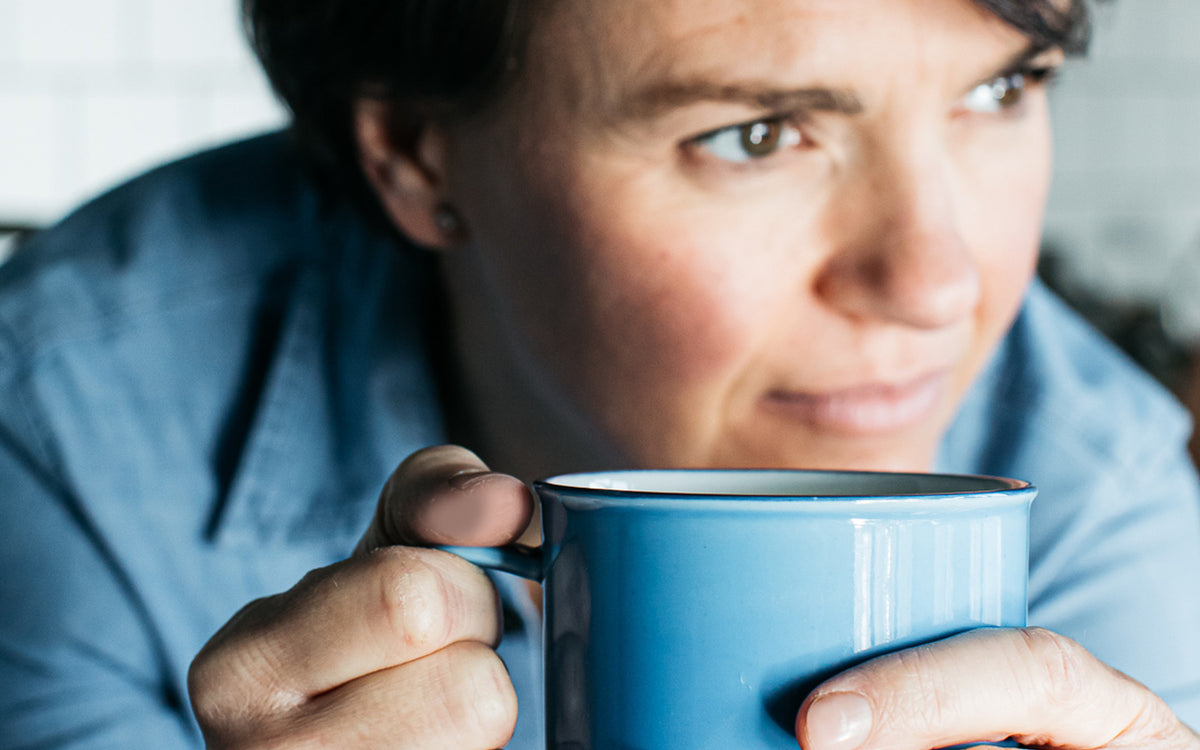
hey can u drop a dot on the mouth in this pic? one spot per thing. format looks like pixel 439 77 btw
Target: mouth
pixel 863 410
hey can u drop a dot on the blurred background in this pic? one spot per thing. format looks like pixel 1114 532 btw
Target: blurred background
pixel 95 91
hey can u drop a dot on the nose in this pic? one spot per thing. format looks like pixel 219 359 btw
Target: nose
pixel 903 259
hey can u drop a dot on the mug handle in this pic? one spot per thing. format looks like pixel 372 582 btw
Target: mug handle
pixel 518 559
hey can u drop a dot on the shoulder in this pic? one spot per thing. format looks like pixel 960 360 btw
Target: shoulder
pixel 1103 441
pixel 1069 356
pixel 208 224
pixel 166 322
pixel 1057 390
pixel 207 374
pixel 176 307
pixel 1117 518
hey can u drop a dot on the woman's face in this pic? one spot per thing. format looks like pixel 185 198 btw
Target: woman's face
pixel 744 232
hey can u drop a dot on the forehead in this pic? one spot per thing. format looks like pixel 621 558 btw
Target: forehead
pixel 615 41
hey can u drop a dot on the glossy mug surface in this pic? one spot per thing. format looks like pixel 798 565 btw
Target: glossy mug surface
pixel 696 608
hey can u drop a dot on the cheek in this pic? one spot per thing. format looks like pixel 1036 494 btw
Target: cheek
pixel 646 328
pixel 1004 227
pixel 670 308
pixel 624 302
pixel 1010 226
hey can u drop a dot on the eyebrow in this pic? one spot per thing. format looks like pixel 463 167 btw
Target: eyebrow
pixel 655 100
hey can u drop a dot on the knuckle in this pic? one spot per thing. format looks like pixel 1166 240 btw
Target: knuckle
pixel 482 701
pixel 413 597
pixel 220 720
pixel 921 690
pixel 1121 712
pixel 206 701
pixel 1059 665
pixel 230 695
pixel 212 680
pixel 234 679
pixel 1157 726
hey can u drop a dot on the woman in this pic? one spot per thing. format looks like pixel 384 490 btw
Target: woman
pixel 780 232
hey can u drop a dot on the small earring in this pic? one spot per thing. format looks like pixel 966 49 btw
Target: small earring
pixel 447 220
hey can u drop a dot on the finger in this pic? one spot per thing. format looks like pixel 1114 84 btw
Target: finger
pixel 446 495
pixel 353 618
pixel 459 698
pixel 1030 685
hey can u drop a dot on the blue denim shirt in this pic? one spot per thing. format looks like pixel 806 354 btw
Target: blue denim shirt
pixel 208 374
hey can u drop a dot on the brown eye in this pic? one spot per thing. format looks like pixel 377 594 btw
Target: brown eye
pixel 761 138
pixel 1008 91
pixel 750 141
pixel 999 95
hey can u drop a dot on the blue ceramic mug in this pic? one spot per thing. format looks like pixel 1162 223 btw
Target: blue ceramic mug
pixel 695 609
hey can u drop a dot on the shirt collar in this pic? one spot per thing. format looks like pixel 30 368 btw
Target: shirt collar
pixel 349 393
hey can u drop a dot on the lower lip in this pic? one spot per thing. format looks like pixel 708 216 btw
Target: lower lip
pixel 867 410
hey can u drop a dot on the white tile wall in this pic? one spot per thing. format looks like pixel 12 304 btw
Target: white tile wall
pixel 68 33
pixel 194 33
pixel 93 91
pixel 33 125
pixel 1125 207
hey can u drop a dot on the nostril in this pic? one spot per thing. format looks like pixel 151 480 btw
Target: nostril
pixel 943 300
pixel 914 284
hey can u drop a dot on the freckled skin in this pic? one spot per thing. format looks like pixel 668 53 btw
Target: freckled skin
pixel 623 299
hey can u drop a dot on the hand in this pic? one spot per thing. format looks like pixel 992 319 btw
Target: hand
pixel 391 647
pixel 1036 687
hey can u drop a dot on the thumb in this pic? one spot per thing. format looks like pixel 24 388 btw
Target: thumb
pixel 446 495
pixel 1031 685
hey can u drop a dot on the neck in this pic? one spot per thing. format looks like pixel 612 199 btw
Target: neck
pixel 497 405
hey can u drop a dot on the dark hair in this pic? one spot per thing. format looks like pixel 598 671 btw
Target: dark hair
pixel 445 56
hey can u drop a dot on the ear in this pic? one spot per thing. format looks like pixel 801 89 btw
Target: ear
pixel 406 170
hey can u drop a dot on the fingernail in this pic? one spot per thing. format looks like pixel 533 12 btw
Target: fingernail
pixel 838 721
pixel 468 478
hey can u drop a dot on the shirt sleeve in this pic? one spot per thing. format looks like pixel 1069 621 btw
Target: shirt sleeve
pixel 79 668
pixel 1115 529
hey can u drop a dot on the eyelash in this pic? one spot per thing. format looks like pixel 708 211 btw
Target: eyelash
pixel 1019 81
pixel 752 132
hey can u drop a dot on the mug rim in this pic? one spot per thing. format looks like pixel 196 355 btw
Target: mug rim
pixel 591 485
